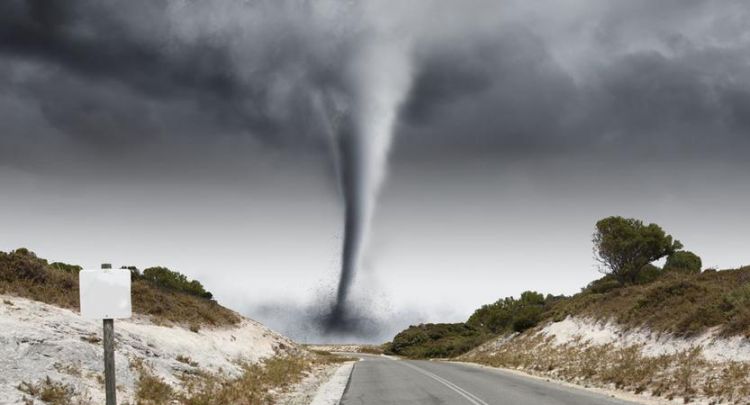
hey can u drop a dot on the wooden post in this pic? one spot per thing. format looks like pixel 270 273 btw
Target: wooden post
pixel 109 361
pixel 110 386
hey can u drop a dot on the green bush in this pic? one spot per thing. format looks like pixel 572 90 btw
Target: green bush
pixel 173 280
pixel 684 261
pixel 134 272
pixel 22 264
pixel 69 268
pixel 603 285
pixel 648 274
pixel 436 340
pixel 510 314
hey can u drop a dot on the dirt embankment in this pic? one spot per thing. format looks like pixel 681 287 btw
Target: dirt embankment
pixel 706 368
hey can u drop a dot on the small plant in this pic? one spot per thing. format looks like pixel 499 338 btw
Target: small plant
pixel 91 338
pixel 70 369
pixel 150 389
pixel 186 360
pixel 252 387
pixel 49 391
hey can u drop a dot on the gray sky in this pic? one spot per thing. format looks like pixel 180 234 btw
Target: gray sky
pixel 188 134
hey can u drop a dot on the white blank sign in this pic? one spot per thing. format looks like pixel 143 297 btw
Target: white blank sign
pixel 105 294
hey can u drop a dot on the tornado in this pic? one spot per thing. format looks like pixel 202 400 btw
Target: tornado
pixel 352 178
pixel 380 79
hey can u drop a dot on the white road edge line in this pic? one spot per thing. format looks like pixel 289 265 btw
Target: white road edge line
pixel 466 394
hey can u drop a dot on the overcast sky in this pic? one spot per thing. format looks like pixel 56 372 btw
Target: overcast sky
pixel 189 134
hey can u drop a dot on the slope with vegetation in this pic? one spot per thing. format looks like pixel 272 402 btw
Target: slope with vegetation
pixel 674 331
pixel 165 296
pixel 181 347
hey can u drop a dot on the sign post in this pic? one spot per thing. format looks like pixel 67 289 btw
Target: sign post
pixel 105 294
pixel 110 386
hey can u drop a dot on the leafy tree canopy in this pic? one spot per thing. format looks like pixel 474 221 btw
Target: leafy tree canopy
pixel 684 261
pixel 624 246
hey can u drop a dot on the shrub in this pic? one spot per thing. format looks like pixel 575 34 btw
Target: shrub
pixel 510 314
pixel 134 272
pixel 684 261
pixel 22 264
pixel 23 274
pixel 648 274
pixel 166 278
pixel 49 391
pixel 151 389
pixel 436 340
pixel 68 268
pixel 603 285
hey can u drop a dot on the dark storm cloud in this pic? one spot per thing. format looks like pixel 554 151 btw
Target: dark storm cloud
pixel 523 78
pixel 658 89
pixel 504 91
pixel 117 73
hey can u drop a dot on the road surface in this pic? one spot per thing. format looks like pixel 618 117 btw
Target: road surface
pixel 382 380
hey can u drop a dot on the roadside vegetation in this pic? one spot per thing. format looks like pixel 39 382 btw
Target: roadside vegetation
pixel 258 384
pixel 441 340
pixel 679 298
pixel 685 375
pixel 166 296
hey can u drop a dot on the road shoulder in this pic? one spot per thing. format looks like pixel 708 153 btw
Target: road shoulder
pixel 331 391
pixel 613 393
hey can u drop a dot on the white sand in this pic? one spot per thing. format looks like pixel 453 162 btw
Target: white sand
pixel 715 348
pixel 39 340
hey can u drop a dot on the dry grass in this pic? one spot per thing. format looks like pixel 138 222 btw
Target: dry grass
pixel 49 392
pixel 92 338
pixel 682 304
pixel 23 274
pixel 69 369
pixel 258 385
pixel 685 374
pixel 150 389
pixel 186 360
pixel 326 357
pixel 371 349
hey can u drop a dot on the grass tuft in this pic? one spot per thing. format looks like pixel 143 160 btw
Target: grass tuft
pixel 48 391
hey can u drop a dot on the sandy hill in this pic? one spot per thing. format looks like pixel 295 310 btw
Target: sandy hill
pixel 180 346
pixel 679 336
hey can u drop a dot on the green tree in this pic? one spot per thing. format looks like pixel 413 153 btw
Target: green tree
pixel 624 246
pixel 684 261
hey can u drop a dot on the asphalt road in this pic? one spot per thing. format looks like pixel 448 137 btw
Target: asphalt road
pixel 381 380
